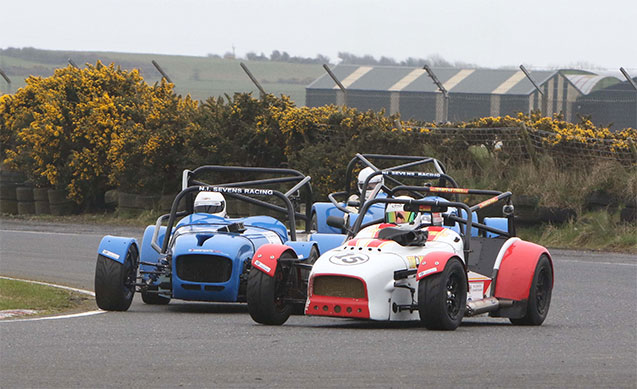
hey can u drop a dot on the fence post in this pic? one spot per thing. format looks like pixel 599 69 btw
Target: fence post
pixel 254 80
pixel 7 79
pixel 529 146
pixel 633 148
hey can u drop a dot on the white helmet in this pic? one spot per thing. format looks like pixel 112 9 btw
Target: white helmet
pixel 210 202
pixel 373 182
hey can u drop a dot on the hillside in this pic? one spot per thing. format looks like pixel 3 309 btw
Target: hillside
pixel 201 77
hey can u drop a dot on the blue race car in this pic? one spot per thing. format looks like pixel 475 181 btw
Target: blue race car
pixel 375 180
pixel 202 254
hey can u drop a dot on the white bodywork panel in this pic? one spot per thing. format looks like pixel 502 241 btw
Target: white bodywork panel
pixel 375 261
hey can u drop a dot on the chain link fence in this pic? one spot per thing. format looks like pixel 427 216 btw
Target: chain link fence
pixel 521 143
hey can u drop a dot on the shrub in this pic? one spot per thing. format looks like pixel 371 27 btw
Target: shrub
pixel 86 130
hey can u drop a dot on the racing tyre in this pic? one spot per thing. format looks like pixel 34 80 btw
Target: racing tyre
pixel 264 296
pixel 115 282
pixel 154 299
pixel 442 297
pixel 539 296
pixel 304 274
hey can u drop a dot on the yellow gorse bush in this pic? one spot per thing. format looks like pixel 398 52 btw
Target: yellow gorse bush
pixel 89 129
pixel 101 127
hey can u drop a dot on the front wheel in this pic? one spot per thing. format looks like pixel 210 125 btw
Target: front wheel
pixel 442 297
pixel 115 282
pixel 265 295
pixel 152 298
pixel 539 296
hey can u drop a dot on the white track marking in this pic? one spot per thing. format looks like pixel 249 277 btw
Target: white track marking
pixel 50 233
pixel 83 291
pixel 596 262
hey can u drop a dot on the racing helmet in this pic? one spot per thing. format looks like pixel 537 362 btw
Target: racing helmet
pixel 373 182
pixel 396 214
pixel 210 202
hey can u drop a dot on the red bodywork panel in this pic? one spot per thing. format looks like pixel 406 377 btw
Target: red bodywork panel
pixel 319 305
pixel 327 306
pixel 433 263
pixel 517 269
pixel 266 257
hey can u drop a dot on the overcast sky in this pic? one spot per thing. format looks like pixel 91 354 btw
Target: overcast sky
pixel 490 33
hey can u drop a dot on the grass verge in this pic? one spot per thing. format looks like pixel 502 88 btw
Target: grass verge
pixel 592 231
pixel 598 230
pixel 46 300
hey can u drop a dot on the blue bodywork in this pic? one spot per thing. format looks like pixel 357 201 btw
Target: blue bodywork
pixel 208 261
pixel 115 247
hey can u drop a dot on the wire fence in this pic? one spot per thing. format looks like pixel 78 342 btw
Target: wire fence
pixel 529 144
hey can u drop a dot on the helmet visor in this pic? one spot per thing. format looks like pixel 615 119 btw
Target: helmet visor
pixel 209 208
pixel 399 217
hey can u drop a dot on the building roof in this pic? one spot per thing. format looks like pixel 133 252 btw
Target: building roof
pixel 406 79
pixel 586 83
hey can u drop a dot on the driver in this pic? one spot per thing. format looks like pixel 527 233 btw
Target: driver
pixel 374 182
pixel 396 214
pixel 373 187
pixel 210 202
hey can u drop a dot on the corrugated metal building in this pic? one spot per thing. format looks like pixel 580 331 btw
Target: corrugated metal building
pixel 615 104
pixel 472 92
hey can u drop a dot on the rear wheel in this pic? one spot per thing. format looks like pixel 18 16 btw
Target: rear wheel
pixel 539 296
pixel 442 297
pixel 115 282
pixel 265 295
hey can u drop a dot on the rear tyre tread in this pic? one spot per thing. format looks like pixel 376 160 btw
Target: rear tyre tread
pixel 538 308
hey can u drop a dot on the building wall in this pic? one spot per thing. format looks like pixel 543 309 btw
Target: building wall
pixel 466 106
pixel 320 97
pixel 418 106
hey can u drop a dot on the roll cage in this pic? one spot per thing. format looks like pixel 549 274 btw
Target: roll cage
pixel 244 191
pixel 391 174
pixel 465 223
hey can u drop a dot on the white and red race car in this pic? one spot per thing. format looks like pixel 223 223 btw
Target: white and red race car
pixel 436 264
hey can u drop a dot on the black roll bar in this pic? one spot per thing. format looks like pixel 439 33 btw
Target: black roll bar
pixel 289 175
pixel 409 174
pixel 435 203
pixel 229 191
pixel 364 159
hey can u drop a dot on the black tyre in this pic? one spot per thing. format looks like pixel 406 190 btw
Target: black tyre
pixel 539 296
pixel 115 282
pixel 304 274
pixel 153 298
pixel 314 224
pixel 265 294
pixel 442 297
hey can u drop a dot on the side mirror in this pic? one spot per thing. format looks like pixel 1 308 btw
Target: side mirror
pixel 336 222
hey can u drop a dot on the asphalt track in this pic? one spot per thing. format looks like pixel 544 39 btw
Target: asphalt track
pixel 589 339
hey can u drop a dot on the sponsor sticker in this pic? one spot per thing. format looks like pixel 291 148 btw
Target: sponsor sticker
pixel 414 260
pixel 262 266
pixel 428 271
pixel 245 191
pixel 475 290
pixel 110 254
pixel 203 251
pixel 272 237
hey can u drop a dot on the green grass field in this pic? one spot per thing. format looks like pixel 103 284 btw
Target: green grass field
pixel 46 300
pixel 201 77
